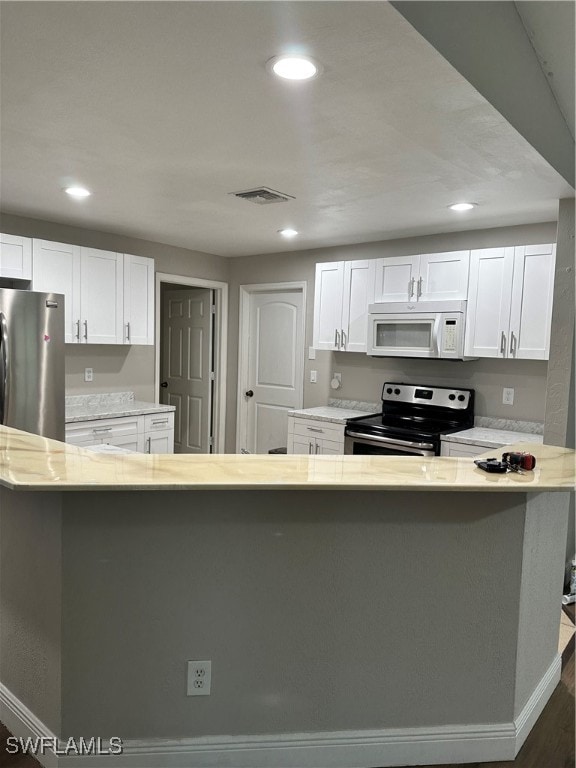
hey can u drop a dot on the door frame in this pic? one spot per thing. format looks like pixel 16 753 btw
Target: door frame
pixel 220 342
pixel 246 291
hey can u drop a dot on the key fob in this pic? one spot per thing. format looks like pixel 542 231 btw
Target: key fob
pixel 491 465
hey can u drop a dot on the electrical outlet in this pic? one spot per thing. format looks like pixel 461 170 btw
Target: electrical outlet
pixel 508 396
pixel 199 678
pixel 88 374
pixel 313 377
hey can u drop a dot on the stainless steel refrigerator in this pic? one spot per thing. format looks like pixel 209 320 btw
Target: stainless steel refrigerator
pixel 32 362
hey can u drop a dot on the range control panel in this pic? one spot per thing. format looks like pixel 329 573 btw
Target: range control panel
pixel 440 397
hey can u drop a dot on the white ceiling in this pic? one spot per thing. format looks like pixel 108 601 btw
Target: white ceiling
pixel 162 109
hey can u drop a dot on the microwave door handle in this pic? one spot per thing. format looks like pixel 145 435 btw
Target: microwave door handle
pixel 436 336
pixel 4 363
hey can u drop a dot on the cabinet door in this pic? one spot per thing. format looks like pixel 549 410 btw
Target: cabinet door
pixel 15 257
pixel 329 448
pixel 328 292
pixel 489 297
pixel 358 293
pixel 131 442
pixel 396 278
pixel 303 445
pixel 443 276
pixel 532 294
pixel 101 296
pixel 56 267
pixel 461 449
pixel 159 442
pixel 138 300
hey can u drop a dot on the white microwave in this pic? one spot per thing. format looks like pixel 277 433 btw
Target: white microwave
pixel 432 329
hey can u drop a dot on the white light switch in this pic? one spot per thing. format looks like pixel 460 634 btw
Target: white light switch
pixel 88 374
pixel 313 376
pixel 311 353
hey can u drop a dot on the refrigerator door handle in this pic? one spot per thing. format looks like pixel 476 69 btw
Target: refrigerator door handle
pixel 4 362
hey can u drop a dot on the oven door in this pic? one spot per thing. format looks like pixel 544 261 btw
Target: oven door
pixel 404 335
pixel 357 444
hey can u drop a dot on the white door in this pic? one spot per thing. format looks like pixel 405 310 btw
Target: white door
pixel 489 298
pixel 138 300
pixel 56 268
pixel 443 276
pixel 532 294
pixel 186 366
pixel 101 288
pixel 396 278
pixel 273 374
pixel 15 257
pixel 328 294
pixel 357 295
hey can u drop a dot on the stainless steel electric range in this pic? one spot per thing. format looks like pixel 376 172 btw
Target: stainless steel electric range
pixel 414 417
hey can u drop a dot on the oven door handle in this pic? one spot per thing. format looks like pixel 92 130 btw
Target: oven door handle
pixel 389 440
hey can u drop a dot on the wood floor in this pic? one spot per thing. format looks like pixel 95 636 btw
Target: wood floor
pixel 549 745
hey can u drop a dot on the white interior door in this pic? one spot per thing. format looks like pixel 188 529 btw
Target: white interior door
pixel 273 368
pixel 187 367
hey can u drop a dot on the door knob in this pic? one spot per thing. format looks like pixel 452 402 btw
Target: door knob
pixel 249 393
pixel 164 384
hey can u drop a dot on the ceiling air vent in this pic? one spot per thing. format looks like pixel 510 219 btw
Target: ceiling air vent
pixel 263 196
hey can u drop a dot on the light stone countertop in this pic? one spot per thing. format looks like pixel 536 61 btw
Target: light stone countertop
pixel 491 438
pixel 109 405
pixel 329 413
pixel 34 463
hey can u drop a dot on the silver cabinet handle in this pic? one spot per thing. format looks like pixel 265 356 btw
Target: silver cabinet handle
pixel 336 339
pixel 502 343
pixel 101 429
pixel 419 289
pixel 77 330
pixel 411 287
pixel 317 448
pixel 314 429
pixel 148 444
pixel 512 343
pixel 310 447
pixel 86 330
pixel 159 421
pixel 343 339
pixel 128 332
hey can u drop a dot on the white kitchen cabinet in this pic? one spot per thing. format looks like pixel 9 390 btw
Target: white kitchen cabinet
pixel 510 302
pixel 424 277
pixel 15 257
pixel 147 433
pixel 138 300
pixel 462 449
pixel 342 293
pixel 101 296
pixel 56 268
pixel 314 437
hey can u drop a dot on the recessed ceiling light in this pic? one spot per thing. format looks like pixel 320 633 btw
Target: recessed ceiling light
pixel 288 232
pixel 77 192
pixel 462 206
pixel 294 67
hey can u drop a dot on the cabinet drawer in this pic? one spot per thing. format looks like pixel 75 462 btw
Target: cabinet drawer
pixel 462 449
pixel 155 422
pixel 319 429
pixel 102 428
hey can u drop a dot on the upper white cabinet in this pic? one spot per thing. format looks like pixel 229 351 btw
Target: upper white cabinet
pixel 101 296
pixel 427 277
pixel 15 257
pixel 138 300
pixel 342 293
pixel 510 302
pixel 56 268
pixel 109 297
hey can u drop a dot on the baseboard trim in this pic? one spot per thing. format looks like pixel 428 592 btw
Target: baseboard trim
pixel 338 749
pixel 23 723
pixel 532 710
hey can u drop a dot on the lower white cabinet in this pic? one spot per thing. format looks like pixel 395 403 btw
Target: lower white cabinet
pixel 313 437
pixel 148 433
pixel 462 449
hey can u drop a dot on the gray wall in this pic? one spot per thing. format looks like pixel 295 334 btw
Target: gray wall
pixel 362 376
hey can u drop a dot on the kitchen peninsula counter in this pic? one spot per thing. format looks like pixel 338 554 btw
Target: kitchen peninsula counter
pixel 30 462
pixel 351 616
